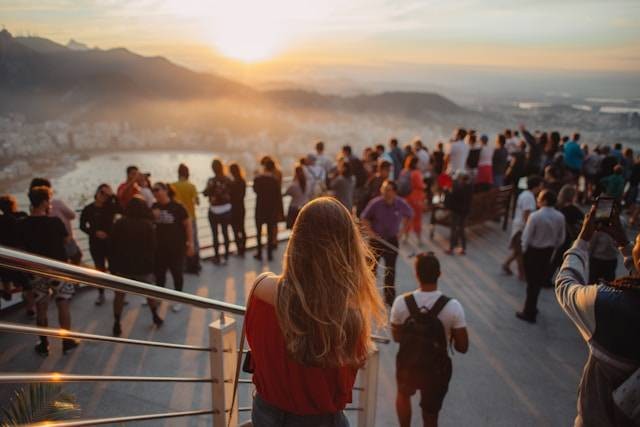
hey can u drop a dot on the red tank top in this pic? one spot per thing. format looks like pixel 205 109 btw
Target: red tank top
pixel 283 382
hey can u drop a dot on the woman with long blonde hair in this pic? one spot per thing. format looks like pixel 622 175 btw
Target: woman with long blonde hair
pixel 310 328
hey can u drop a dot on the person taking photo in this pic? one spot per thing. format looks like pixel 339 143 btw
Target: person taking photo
pixel 607 316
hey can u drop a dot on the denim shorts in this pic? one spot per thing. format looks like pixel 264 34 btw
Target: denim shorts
pixel 266 415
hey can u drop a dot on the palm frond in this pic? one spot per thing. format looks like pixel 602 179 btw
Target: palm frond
pixel 39 402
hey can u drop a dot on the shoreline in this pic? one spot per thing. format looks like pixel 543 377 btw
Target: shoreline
pixel 59 169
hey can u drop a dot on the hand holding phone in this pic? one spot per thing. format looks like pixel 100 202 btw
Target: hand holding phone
pixel 605 207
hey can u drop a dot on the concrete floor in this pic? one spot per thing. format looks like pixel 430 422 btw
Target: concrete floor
pixel 514 374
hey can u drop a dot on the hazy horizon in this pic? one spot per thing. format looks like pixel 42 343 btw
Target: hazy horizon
pixel 459 48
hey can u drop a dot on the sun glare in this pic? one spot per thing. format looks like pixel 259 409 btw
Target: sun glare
pixel 249 33
pixel 248 45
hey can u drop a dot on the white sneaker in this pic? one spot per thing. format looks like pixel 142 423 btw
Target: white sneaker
pixel 176 308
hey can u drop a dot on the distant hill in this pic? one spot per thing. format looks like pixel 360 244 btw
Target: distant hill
pixel 36 66
pixel 410 104
pixel 42 78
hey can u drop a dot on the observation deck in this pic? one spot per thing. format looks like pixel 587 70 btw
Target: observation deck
pixel 514 373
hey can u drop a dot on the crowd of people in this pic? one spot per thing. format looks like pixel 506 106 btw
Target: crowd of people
pixel 346 214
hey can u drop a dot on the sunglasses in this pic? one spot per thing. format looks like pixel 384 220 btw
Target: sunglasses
pixel 156 189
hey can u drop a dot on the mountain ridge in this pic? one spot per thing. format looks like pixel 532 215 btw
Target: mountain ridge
pixel 32 68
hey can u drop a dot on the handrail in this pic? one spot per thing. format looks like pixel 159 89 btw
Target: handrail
pixel 63 333
pixel 30 263
pixel 58 270
pixel 56 377
pixel 126 419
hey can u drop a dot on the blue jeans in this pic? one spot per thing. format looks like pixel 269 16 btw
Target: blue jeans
pixel 265 415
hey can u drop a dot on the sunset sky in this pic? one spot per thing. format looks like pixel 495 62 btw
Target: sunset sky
pixel 284 34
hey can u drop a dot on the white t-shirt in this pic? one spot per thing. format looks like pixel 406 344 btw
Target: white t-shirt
pixel 486 156
pixel 424 160
pixel 526 202
pixel 148 196
pixel 457 152
pixel 451 315
pixel 511 145
pixel 324 162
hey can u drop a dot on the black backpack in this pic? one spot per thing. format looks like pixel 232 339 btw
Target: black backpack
pixel 423 345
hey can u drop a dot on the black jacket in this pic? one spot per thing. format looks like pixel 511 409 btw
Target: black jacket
pixel 268 199
pixel 133 243
pixel 94 218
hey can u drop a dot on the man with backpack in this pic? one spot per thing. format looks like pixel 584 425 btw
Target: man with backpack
pixel 424 322
pixel 316 177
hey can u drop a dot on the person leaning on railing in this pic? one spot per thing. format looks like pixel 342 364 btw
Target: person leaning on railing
pixel 607 314
pixel 309 329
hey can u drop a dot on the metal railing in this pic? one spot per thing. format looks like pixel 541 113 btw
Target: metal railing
pixel 202 220
pixel 223 344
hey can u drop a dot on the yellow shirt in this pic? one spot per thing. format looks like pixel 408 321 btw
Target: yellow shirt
pixel 186 194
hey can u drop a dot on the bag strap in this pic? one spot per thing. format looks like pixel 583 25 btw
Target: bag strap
pixel 259 280
pixel 414 311
pixel 439 305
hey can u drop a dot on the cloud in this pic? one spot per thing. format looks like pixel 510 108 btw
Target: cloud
pixel 344 28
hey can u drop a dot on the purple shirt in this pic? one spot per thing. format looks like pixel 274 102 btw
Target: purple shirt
pixel 386 218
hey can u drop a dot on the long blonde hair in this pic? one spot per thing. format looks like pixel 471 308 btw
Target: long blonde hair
pixel 328 299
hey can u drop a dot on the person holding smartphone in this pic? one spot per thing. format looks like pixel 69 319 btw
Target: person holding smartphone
pixel 607 316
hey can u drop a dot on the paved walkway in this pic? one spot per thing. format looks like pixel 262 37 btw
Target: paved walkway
pixel 514 374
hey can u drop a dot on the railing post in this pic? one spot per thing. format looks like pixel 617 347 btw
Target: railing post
pixel 224 353
pixel 368 395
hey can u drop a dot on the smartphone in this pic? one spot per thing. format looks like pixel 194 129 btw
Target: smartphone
pixel 604 209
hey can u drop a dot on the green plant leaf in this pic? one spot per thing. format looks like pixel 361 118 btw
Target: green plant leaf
pixel 37 403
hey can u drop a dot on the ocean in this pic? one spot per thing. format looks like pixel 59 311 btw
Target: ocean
pixel 77 186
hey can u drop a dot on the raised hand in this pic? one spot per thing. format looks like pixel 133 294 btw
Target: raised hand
pixel 589 225
pixel 616 230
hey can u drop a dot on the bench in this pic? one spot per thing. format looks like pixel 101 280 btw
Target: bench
pixel 485 206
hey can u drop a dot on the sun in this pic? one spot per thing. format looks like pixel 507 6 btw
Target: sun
pixel 249 33
pixel 247 45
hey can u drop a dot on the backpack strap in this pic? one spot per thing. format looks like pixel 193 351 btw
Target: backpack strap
pixel 414 311
pixel 439 305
